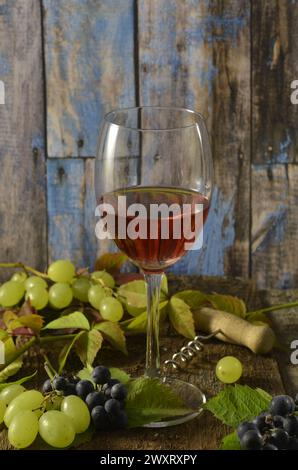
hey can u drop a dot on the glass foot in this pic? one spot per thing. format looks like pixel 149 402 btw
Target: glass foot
pixel 192 396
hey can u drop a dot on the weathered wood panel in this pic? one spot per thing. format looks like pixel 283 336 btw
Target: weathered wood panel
pixel 71 206
pixel 22 152
pixel 274 143
pixel 197 54
pixel 89 53
pixel 275 66
pixel 275 225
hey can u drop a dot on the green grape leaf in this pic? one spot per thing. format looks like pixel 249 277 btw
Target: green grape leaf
pixel 3 334
pixel 120 375
pixel 238 403
pixel 181 317
pixel 111 262
pixel 139 323
pixel 228 303
pixel 113 333
pixel 65 351
pixel 258 316
pixel 193 298
pixel 134 295
pixel 230 442
pixel 84 374
pixel 136 325
pixel 75 320
pixel 17 382
pixel 9 351
pixel 11 369
pixel 150 400
pixel 88 345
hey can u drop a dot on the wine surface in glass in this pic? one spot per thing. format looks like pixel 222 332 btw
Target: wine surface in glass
pixel 156 254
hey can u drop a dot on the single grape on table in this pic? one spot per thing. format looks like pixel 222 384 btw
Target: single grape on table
pixel 229 369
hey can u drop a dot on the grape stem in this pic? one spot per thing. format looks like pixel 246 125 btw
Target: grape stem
pixel 25 268
pixel 274 307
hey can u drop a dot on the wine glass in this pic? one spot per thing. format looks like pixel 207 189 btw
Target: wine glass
pixel 152 156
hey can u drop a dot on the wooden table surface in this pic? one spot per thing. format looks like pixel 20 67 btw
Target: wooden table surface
pixel 273 372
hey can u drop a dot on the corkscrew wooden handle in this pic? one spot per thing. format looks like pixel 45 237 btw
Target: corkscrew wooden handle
pixel 233 329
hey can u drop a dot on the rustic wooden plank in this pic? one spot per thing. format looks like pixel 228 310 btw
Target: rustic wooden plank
pixel 89 55
pixel 285 323
pixel 275 225
pixel 274 67
pixel 71 206
pixel 22 147
pixel 197 54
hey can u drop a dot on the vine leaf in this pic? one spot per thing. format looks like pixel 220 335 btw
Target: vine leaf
pixel 228 303
pixel 113 334
pixel 181 317
pixel 65 351
pixel 88 345
pixel 75 320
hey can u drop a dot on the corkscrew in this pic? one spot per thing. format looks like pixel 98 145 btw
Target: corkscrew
pixel 181 358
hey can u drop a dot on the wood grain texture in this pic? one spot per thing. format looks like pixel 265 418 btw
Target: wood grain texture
pixel 71 206
pixel 89 55
pixel 197 54
pixel 275 225
pixel 22 152
pixel 274 67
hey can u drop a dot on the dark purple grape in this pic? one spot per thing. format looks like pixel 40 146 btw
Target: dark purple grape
pixel 101 375
pixel 293 443
pixel 100 418
pixel 279 438
pixel 119 391
pixel 244 427
pixel 83 388
pixel 251 440
pixel 47 386
pixel 70 389
pixel 278 421
pixel 282 405
pixel 262 422
pixel 60 384
pixel 95 399
pixel 112 407
pixel 291 425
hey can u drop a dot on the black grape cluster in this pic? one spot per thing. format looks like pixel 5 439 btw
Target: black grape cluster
pixel 275 429
pixel 105 400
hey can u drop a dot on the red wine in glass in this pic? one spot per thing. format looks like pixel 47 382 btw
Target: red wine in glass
pixel 154 253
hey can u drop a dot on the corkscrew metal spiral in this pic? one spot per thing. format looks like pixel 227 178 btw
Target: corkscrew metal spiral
pixel 188 352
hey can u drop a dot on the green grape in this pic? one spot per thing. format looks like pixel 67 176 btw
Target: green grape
pixel 56 429
pixel 111 309
pixel 38 296
pixel 54 402
pixel 20 276
pixel 34 281
pixel 11 293
pixel 77 410
pixel 11 392
pixel 80 287
pixel 95 295
pixel 105 277
pixel 29 400
pixel 2 410
pixel 228 369
pixel 61 270
pixel 23 429
pixel 60 295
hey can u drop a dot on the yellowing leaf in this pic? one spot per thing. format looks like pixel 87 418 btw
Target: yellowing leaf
pixel 9 319
pixel 32 321
pixel 113 334
pixel 181 317
pixel 228 303
pixel 193 298
pixel 88 345
pixel 139 323
pixel 75 320
pixel 111 262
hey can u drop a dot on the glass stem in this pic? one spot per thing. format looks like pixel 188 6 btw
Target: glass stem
pixel 152 352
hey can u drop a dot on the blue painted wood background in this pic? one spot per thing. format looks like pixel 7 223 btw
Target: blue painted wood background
pixel 65 63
